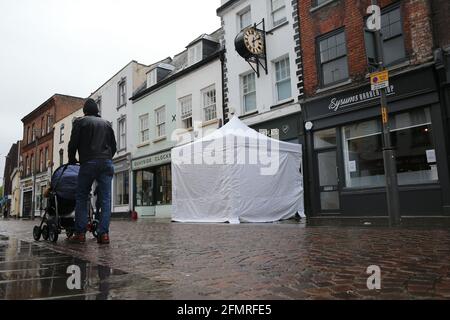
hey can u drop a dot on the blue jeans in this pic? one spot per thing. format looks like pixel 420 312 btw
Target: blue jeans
pixel 102 171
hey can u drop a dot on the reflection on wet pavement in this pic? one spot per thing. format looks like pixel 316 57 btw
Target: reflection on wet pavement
pixel 30 271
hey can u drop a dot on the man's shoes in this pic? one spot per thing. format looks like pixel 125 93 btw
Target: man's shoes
pixel 78 238
pixel 103 239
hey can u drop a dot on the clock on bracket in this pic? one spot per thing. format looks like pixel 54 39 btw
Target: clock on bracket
pixel 250 43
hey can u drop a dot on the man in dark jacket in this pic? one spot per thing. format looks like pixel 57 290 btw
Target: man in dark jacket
pixel 95 142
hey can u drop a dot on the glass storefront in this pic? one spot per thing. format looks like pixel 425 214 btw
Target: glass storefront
pixel 154 186
pixel 412 136
pixel 122 189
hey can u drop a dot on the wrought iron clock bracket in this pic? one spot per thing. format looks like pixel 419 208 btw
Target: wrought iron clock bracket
pixel 260 61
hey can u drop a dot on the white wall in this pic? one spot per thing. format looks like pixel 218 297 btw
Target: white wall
pixel 57 145
pixel 193 84
pixel 135 76
pixel 280 43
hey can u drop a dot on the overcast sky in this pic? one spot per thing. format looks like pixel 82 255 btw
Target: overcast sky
pixel 73 46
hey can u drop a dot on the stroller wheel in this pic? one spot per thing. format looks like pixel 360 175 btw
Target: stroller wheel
pixel 45 233
pixel 52 233
pixel 37 233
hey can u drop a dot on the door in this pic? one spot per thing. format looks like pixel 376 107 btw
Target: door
pixel 328 186
pixel 27 203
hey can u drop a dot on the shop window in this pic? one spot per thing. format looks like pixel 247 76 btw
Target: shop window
pixel 121 189
pixel 144 188
pixel 325 139
pixel 333 58
pixel 411 134
pixel 163 185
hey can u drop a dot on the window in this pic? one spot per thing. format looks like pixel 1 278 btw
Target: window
pixel 195 53
pixel 61 133
pixel 46 159
pixel 186 111
pixel 143 128
pixel 49 123
pixel 411 133
pixel 163 186
pixel 27 164
pixel 122 93
pixel 333 58
pixel 99 104
pixel 29 135
pixel 121 188
pixel 319 2
pixel 209 103
pixel 283 79
pixel 122 133
pixel 144 188
pixel 33 133
pixel 152 78
pixel 61 157
pixel 160 122
pixel 33 163
pixel 393 43
pixel 41 158
pixel 43 127
pixel 249 92
pixel 245 18
pixel 278 12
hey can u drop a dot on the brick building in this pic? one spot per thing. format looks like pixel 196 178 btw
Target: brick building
pixel 11 163
pixel 37 147
pixel 344 170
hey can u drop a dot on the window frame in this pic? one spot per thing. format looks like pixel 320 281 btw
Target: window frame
pixel 159 125
pixel 387 10
pixel 319 63
pixel 272 13
pixel 183 118
pixel 240 14
pixel 243 94
pixel 277 82
pixel 195 53
pixel 204 92
pixel 143 130
pixel 120 84
pixel 120 120
pixel 61 133
pixel 125 191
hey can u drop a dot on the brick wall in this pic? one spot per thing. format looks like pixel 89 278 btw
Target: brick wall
pixel 441 18
pixel 349 14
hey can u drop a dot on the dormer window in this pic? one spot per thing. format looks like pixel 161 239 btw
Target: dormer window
pixel 195 53
pixel 152 78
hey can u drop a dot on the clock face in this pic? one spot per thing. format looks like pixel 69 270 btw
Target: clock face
pixel 254 41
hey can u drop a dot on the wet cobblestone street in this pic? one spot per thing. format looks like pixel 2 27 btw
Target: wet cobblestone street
pixel 150 259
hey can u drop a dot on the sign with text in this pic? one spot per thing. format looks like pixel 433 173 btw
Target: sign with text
pixel 379 80
pixel 153 160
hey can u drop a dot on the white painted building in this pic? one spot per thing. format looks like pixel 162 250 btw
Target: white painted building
pixel 113 100
pixel 270 102
pixel 62 131
pixel 188 94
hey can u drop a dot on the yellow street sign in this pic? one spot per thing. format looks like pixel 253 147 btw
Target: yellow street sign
pixel 379 80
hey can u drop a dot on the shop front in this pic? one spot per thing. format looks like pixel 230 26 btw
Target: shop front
pixel 345 169
pixel 122 183
pixel 285 128
pixel 26 187
pixel 153 185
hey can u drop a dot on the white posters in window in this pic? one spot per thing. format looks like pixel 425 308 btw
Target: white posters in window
pixel 431 156
pixel 352 166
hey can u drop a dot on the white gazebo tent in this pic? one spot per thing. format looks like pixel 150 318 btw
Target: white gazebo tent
pixel 236 175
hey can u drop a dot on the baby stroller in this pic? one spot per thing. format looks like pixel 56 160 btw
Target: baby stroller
pixel 60 212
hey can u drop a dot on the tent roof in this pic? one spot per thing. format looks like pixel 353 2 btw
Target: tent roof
pixel 235 127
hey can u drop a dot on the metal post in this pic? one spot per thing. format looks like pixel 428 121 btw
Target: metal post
pixel 390 165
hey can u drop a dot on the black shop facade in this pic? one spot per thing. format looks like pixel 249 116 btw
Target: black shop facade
pixel 344 161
